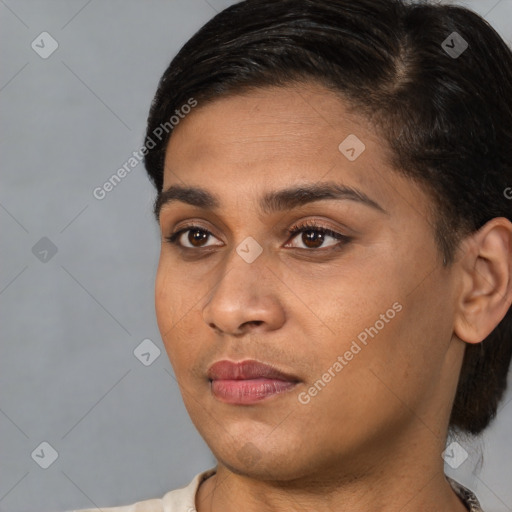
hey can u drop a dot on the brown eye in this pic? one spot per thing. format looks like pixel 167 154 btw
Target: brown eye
pixel 197 237
pixel 315 237
pixel 193 237
pixel 312 239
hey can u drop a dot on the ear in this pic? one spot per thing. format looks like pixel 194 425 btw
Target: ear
pixel 486 291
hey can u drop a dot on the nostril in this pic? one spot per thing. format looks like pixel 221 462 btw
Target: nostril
pixel 254 322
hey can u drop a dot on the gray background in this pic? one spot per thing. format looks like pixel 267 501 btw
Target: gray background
pixel 71 321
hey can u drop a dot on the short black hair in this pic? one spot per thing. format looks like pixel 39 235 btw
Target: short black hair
pixel 436 82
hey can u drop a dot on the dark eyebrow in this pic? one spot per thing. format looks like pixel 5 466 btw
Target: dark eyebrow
pixel 275 201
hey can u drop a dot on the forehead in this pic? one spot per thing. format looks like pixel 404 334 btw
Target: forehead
pixel 294 122
pixel 273 137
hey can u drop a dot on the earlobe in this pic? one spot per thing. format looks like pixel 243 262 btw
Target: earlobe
pixel 486 287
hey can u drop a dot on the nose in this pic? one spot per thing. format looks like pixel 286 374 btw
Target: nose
pixel 244 299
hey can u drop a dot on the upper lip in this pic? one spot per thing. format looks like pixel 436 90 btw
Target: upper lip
pixel 245 370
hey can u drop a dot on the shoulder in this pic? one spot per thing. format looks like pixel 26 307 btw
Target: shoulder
pixel 467 496
pixel 179 500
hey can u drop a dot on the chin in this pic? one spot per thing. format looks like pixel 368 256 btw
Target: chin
pixel 264 471
pixel 265 463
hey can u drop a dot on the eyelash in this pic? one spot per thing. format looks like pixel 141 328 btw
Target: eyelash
pixel 292 232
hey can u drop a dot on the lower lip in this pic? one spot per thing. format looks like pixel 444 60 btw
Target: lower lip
pixel 248 391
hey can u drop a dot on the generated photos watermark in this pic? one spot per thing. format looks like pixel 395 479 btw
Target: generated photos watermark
pixel 355 348
pixel 101 192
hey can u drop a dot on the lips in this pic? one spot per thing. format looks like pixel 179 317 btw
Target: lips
pixel 249 381
pixel 245 370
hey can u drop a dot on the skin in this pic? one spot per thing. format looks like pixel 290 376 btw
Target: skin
pixel 372 438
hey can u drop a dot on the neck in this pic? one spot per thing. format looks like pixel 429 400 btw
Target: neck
pixel 406 480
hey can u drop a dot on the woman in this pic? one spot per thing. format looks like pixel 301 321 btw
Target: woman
pixel 335 273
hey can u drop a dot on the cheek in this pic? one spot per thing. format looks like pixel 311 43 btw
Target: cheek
pixel 404 359
pixel 173 297
pixel 345 299
pixel 376 318
pixel 168 305
pixel 165 306
pixel 177 315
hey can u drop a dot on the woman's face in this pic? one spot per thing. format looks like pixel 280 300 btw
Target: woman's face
pixel 357 310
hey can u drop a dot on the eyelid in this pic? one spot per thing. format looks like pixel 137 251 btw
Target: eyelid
pixel 313 225
pixel 174 237
pixel 293 232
